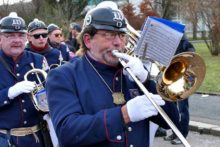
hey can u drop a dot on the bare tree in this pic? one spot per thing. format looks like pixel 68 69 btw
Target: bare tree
pixel 129 12
pixel 211 14
pixel 137 19
pixel 190 11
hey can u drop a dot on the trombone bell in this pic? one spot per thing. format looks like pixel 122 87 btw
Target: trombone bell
pixel 182 77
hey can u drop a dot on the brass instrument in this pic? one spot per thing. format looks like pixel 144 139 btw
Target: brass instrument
pixel 39 94
pixel 39 99
pixel 186 69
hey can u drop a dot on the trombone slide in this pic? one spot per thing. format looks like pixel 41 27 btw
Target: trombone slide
pixel 159 109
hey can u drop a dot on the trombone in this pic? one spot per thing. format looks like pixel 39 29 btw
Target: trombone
pixel 186 70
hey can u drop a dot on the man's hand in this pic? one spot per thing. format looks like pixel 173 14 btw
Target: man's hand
pixel 140 108
pixel 21 87
pixel 135 65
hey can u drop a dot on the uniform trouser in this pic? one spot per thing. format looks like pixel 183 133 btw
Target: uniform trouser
pixel 183 107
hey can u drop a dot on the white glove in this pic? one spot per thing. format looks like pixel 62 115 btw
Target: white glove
pixel 135 65
pixel 140 108
pixel 21 87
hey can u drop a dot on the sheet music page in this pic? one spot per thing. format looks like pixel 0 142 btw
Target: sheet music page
pixel 158 42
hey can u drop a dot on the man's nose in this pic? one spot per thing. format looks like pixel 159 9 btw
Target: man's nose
pixel 117 39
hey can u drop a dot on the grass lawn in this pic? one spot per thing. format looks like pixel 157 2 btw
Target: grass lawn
pixel 211 84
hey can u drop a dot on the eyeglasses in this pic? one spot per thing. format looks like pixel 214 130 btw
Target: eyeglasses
pixel 37 36
pixel 58 35
pixel 112 35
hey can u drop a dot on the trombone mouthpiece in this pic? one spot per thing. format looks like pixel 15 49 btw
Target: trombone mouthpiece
pixel 114 51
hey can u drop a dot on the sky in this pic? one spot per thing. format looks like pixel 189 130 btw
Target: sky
pixel 11 1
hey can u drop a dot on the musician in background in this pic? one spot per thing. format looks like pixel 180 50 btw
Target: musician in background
pixel 72 42
pixel 37 42
pixel 19 120
pixel 97 104
pixel 55 40
pixel 183 105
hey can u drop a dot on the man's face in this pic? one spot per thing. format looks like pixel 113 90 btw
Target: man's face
pixel 13 44
pixel 74 33
pixel 56 36
pixel 102 43
pixel 38 37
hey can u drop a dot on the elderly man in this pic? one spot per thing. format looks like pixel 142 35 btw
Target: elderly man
pixel 20 121
pixel 96 104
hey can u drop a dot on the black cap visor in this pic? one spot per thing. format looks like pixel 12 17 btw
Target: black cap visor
pixel 110 28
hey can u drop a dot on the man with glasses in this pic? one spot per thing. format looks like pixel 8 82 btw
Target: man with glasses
pixel 19 120
pixel 97 104
pixel 37 42
pixel 55 40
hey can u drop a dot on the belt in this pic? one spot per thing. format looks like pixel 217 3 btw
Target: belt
pixel 22 131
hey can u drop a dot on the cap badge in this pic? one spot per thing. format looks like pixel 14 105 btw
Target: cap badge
pixel 17 24
pixel 118 17
pixel 88 20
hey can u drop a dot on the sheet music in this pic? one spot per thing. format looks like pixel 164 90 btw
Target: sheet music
pixel 158 42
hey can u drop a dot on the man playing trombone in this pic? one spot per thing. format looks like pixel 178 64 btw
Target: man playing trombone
pixel 97 103
pixel 19 120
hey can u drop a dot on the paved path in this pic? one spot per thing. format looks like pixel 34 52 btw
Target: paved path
pixel 204 118
pixel 205 108
pixel 194 139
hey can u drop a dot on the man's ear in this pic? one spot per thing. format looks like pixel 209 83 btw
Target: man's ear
pixel 0 40
pixel 87 40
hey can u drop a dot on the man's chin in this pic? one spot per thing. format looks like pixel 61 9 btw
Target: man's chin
pixel 113 62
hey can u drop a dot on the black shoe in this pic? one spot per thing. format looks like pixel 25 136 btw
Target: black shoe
pixel 161 132
pixel 176 141
pixel 169 138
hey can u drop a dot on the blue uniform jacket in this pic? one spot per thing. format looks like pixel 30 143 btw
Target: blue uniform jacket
pixel 63 48
pixel 64 51
pixel 19 112
pixel 82 108
pixel 52 55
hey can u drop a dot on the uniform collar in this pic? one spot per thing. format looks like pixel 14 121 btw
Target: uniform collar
pixel 10 59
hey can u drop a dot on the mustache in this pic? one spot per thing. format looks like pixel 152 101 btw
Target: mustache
pixel 116 49
pixel 16 44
